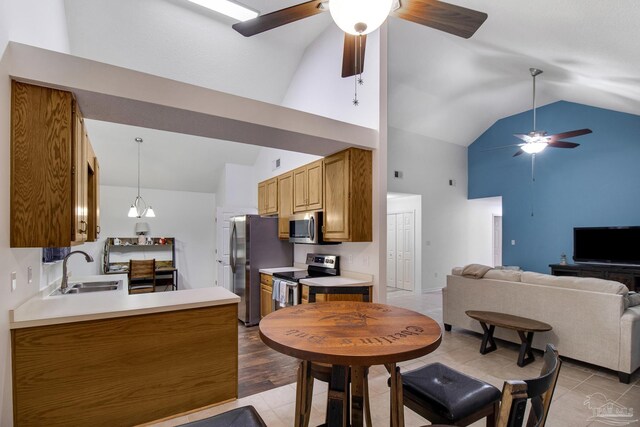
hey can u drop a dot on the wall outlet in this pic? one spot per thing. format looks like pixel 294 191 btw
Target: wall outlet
pixel 350 259
pixel 427 243
pixel 397 174
pixel 435 274
pixel 14 281
pixel 513 243
pixel 452 182
pixel 29 275
pixel 365 260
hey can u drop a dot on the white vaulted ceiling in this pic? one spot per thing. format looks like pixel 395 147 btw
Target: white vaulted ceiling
pixel 440 86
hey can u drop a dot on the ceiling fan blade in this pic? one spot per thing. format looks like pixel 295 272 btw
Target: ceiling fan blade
pixel 278 18
pixel 563 144
pixel 569 134
pixel 520 151
pixel 504 146
pixel 452 19
pixel 353 55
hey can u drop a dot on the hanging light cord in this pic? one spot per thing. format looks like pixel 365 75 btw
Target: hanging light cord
pixel 358 68
pixel 139 169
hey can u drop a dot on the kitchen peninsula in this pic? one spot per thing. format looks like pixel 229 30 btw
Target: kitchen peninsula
pixel 110 358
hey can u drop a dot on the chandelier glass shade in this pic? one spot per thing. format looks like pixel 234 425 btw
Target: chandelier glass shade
pixel 139 207
pixel 359 16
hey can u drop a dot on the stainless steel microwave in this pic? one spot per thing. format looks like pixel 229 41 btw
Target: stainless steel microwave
pixel 306 228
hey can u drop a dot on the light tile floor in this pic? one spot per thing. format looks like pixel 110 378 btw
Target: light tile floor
pixel 459 349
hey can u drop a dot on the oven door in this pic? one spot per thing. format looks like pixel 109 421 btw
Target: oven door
pixel 304 228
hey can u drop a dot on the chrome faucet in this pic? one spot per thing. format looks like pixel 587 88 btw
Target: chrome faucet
pixel 64 283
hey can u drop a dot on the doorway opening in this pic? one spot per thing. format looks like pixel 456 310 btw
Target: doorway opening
pixel 404 234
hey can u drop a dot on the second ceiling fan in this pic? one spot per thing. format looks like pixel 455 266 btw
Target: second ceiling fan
pixel 357 18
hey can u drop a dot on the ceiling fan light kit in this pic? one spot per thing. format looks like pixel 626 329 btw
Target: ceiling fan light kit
pixel 359 16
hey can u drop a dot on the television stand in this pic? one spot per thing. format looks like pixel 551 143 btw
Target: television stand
pixel 627 275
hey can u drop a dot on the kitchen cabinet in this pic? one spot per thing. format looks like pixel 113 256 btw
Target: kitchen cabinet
pixel 285 204
pixel 332 296
pixel 266 292
pixel 125 370
pixel 93 194
pixel 348 196
pixel 268 197
pixel 49 173
pixel 307 187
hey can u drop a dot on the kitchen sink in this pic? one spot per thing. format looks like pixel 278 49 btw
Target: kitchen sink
pixel 84 287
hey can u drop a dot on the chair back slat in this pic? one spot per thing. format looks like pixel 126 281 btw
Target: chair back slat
pixel 142 269
pixel 539 391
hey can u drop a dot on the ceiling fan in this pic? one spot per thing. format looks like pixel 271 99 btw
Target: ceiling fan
pixel 357 18
pixel 537 140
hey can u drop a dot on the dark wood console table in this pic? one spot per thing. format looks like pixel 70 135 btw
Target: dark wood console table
pixel 628 275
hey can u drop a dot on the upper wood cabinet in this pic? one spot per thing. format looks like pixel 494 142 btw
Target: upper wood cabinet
pixel 348 196
pixel 49 168
pixel 93 194
pixel 285 204
pixel 307 187
pixel 268 197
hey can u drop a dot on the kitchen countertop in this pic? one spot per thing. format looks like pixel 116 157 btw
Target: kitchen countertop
pixel 270 271
pixel 43 309
pixel 335 281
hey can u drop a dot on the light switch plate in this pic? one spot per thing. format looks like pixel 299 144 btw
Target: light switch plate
pixel 13 281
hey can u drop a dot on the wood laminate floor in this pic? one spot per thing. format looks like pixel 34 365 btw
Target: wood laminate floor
pixel 259 367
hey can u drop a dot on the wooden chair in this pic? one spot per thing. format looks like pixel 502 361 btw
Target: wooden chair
pixel 142 276
pixel 445 396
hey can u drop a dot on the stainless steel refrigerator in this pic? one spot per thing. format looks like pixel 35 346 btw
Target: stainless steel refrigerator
pixel 254 245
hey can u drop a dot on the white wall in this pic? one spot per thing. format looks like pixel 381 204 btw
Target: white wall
pixel 239 188
pixel 187 216
pixel 41 23
pixel 480 223
pixel 317 86
pixel 289 160
pixel 427 166
pixel 411 203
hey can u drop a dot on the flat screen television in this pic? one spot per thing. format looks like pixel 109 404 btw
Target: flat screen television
pixel 607 245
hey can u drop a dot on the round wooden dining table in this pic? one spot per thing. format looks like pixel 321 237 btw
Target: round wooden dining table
pixel 350 336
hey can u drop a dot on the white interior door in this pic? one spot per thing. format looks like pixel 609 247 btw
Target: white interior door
pixel 497 240
pixel 223 234
pixel 391 250
pixel 408 251
pixel 401 250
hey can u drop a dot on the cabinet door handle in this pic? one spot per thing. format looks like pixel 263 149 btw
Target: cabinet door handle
pixel 97 229
pixel 83 230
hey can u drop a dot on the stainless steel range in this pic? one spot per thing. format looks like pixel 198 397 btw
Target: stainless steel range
pixel 286 283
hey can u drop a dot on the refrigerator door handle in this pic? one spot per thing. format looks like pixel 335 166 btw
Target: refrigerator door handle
pixel 232 248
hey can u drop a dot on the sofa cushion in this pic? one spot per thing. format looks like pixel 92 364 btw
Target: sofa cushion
pixel 509 275
pixel 571 282
pixel 456 271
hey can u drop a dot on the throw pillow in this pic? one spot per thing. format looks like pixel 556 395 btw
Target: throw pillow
pixel 633 299
pixel 475 271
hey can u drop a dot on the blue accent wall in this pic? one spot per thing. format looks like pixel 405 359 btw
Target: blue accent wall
pixel 595 184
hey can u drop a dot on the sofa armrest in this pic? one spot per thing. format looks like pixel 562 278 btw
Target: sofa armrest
pixel 630 340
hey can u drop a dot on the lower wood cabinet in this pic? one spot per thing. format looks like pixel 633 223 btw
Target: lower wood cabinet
pixel 266 294
pixel 126 370
pixel 332 296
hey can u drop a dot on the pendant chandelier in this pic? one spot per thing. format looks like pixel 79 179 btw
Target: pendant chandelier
pixel 139 207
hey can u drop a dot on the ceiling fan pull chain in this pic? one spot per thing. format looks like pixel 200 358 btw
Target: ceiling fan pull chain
pixel 360 64
pixel 355 75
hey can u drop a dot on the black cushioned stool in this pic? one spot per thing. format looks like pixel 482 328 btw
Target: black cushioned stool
pixel 445 396
pixel 246 416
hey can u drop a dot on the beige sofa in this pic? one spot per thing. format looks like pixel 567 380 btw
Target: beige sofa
pixel 590 318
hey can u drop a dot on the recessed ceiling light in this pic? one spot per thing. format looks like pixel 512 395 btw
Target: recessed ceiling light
pixel 229 8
